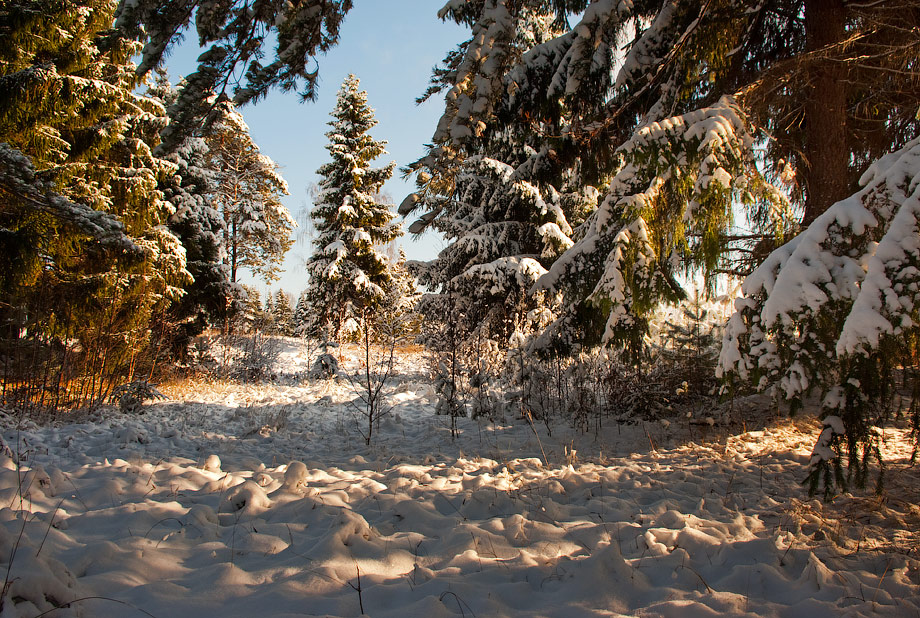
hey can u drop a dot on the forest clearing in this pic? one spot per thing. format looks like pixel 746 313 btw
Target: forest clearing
pixel 656 351
pixel 233 499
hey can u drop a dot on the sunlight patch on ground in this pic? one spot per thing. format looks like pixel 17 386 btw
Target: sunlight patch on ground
pixel 201 506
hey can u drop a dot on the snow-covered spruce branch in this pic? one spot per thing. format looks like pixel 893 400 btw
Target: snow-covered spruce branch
pixel 845 283
pixel 833 309
pixel 559 66
pixel 477 83
pixel 666 208
pixel 503 232
pixel 19 181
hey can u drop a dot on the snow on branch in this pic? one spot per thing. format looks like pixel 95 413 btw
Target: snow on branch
pixel 557 68
pixel 822 451
pixel 888 295
pixel 590 44
pixel 478 79
pixel 505 274
pixel 838 289
pixel 666 207
pixel 646 52
pixel 18 179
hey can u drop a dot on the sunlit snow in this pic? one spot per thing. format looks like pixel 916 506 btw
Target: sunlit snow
pixel 262 500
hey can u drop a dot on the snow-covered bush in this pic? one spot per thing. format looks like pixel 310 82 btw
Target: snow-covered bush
pixel 35 583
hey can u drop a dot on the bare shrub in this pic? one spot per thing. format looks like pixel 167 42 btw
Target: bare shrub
pixel 245 357
pixel 264 420
pixel 380 336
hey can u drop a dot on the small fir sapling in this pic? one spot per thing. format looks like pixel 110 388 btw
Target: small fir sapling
pixel 131 396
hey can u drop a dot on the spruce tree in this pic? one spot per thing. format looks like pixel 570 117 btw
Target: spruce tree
pixel 787 108
pixel 71 116
pixel 300 321
pixel 239 36
pixel 833 312
pixel 210 298
pixel 252 314
pixel 502 235
pixel 282 313
pixel 504 224
pixel 349 273
pixel 586 115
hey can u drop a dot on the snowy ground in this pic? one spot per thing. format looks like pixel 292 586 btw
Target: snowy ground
pixel 241 500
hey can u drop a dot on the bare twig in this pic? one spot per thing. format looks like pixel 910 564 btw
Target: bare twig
pixel 358 588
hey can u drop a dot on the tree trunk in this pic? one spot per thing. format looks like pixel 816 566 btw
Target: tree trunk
pixel 233 243
pixel 371 397
pixel 826 149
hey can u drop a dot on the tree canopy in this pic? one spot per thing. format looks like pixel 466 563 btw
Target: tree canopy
pixel 87 253
pixel 715 133
pixel 238 36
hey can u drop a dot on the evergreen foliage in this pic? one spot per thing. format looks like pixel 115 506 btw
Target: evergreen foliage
pixel 89 256
pixel 237 35
pixel 257 227
pixel 282 313
pixel 664 212
pixel 252 315
pixel 565 110
pixel 778 106
pixel 301 320
pixel 210 298
pixel 834 311
pixel 502 235
pixel 349 273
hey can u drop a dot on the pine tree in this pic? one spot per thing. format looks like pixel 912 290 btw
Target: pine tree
pixel 349 273
pixel 256 226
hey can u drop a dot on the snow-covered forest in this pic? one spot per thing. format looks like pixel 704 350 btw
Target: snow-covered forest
pixel 664 364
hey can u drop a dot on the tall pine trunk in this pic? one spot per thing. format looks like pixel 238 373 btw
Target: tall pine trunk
pixel 826 149
pixel 234 238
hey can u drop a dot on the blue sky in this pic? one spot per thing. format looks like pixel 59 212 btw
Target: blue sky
pixel 391 45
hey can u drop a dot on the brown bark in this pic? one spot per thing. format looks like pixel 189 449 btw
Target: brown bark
pixel 826 150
